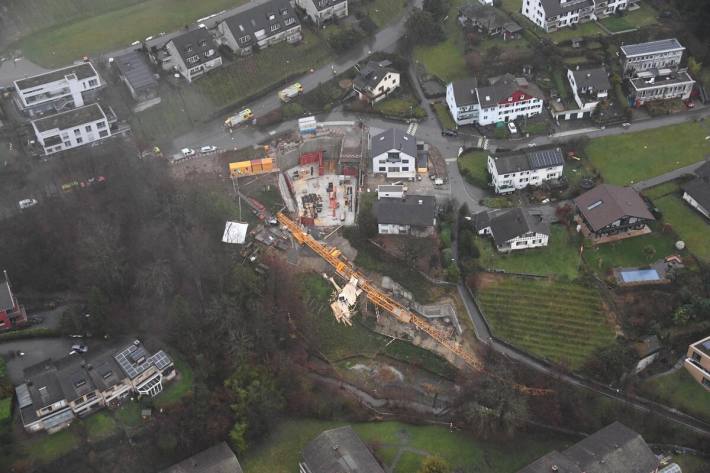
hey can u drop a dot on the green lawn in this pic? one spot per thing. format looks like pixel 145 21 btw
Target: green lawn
pixel 444 60
pixel 383 12
pixel 48 448
pixel 178 388
pixel 100 426
pixel 688 223
pixel 662 190
pixel 560 258
pixel 644 16
pixel 633 157
pixel 5 409
pixel 400 108
pixel 473 167
pixel 562 322
pixel 442 112
pixel 681 391
pixel 62 44
pixel 282 449
pixel 631 252
pixel 129 414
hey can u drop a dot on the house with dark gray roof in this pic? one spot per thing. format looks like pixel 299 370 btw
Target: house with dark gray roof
pixel 57 90
pixel 489 20
pixel 608 210
pixel 516 170
pixel 338 451
pixel 134 71
pixel 552 15
pixel 411 215
pixel 697 192
pixel 55 392
pixel 192 53
pixel 513 229
pixel 260 26
pixel 322 11
pixel 613 449
pixel 12 313
pixel 375 81
pixel 394 154
pixel 217 459
pixel 589 85
pixel 462 100
pixel 71 129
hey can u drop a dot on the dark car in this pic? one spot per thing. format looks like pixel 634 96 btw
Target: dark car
pixel 449 132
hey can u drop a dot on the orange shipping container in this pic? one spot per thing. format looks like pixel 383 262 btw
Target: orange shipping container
pixel 240 168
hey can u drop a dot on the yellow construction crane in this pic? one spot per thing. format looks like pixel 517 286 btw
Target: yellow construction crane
pixel 345 270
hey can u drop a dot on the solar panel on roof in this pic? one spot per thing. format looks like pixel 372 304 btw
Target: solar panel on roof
pixel 545 158
pixel 651 47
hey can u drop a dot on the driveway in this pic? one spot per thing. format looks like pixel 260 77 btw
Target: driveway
pixel 12 70
pixel 36 350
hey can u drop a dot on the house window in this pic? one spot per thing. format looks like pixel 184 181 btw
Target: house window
pixel 289 21
pixel 93 83
pixel 383 169
pixel 103 133
pixel 67 143
pixel 101 125
pixel 88 128
pixel 193 59
pixel 405 168
pixel 77 132
pixel 203 43
pixel 274 27
pixel 79 141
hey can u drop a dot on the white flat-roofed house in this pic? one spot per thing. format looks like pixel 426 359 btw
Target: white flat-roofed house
pixel 260 26
pixel 660 54
pixel 57 90
pixel 193 53
pixel 376 81
pixel 660 84
pixel 519 169
pixel 321 11
pixel 462 101
pixel 552 15
pixel 71 129
pixel 394 154
pixel 512 229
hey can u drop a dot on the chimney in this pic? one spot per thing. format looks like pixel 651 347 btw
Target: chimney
pixel 555 468
pixel 589 75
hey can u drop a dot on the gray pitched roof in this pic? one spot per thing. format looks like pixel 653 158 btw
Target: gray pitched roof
pixel 485 15
pixel 504 87
pixel 417 210
pixel 135 69
pixel 528 160
pixel 509 224
pixel 217 459
pixel 699 190
pixel 261 17
pixel 613 449
pixel 597 78
pixel 71 118
pixel 556 7
pixel 323 4
pixel 652 47
pixel 606 203
pixel 465 91
pixel 372 73
pixel 394 138
pixel 195 42
pixel 82 71
pixel 339 451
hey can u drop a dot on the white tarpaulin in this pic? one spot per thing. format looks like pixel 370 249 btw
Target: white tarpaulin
pixel 235 232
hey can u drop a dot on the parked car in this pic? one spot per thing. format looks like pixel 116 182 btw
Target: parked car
pixel 449 132
pixel 625 125
pixel 513 129
pixel 187 152
pixel 239 118
pixel 208 149
pixel 78 348
pixel 290 92
pixel 27 203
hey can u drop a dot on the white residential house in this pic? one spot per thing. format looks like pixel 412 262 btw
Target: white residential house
pixel 697 192
pixel 412 215
pixel 192 53
pixel 394 154
pixel 506 99
pixel 260 26
pixel 660 54
pixel 376 81
pixel 71 129
pixel 551 15
pixel 519 169
pixel 660 84
pixel 513 229
pixel 589 86
pixel 57 90
pixel 321 11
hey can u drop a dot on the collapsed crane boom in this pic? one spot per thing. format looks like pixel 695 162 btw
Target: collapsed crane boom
pixel 345 270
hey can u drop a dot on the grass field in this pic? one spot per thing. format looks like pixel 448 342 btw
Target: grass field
pixel 560 258
pixel 473 167
pixel 562 322
pixel 282 449
pixel 129 414
pixel 442 112
pixel 688 223
pixel 633 157
pixel 662 190
pixel 114 29
pixel 631 252
pixel 176 389
pixel 48 448
pixel 644 16
pixel 681 391
pixel 100 426
pixel 383 11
